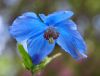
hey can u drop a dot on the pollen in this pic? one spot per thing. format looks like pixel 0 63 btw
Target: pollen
pixel 51 33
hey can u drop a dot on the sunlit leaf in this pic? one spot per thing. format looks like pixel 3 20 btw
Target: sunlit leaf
pixel 25 56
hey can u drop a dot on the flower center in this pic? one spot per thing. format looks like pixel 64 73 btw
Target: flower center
pixel 51 34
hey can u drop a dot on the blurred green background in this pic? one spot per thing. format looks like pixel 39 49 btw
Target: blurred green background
pixel 87 17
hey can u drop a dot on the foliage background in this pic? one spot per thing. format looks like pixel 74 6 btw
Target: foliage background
pixel 87 17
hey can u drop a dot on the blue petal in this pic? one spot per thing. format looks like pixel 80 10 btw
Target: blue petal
pixel 66 24
pixel 39 48
pixel 43 17
pixel 57 17
pixel 30 15
pixel 26 26
pixel 72 42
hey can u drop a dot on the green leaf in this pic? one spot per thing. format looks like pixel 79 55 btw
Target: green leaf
pixel 28 61
pixel 41 65
pixel 26 58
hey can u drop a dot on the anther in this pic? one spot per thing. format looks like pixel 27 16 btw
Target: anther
pixel 51 34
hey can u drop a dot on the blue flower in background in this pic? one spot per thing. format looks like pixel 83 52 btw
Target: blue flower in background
pixel 39 35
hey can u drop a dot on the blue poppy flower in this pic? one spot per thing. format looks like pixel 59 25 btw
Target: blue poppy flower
pixel 39 35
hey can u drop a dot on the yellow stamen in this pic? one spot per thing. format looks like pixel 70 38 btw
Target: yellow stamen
pixel 51 41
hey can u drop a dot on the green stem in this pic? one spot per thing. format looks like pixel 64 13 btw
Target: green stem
pixel 49 59
pixel 32 73
pixel 56 55
pixel 36 74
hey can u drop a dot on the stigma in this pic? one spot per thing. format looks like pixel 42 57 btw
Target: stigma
pixel 51 34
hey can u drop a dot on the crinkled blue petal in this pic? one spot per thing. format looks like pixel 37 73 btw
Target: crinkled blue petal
pixel 26 26
pixel 39 48
pixel 72 42
pixel 43 17
pixel 57 17
pixel 29 15
pixel 66 24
